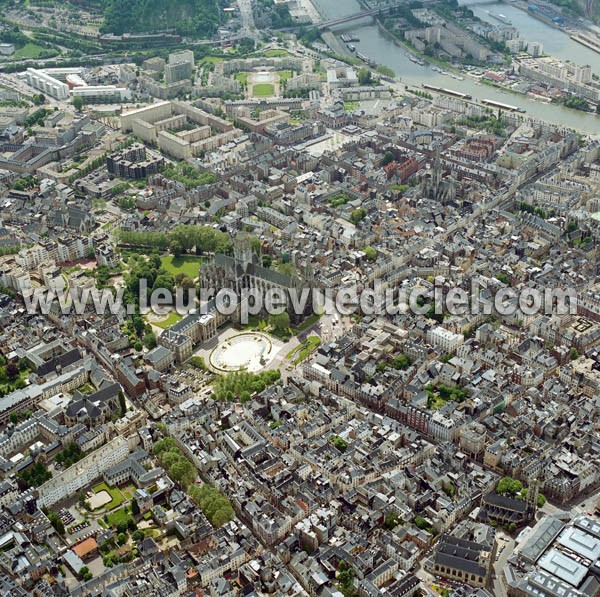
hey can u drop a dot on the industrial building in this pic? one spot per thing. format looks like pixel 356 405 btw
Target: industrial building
pixel 559 556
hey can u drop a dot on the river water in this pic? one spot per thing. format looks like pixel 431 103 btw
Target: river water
pixel 382 48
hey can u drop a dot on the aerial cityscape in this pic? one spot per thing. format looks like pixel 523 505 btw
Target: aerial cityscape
pixel 300 298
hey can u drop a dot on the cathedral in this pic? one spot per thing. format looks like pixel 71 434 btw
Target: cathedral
pixel 243 271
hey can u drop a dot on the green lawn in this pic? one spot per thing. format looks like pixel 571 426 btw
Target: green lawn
pixel 275 53
pixel 117 497
pixel 242 77
pixel 188 264
pixel 263 90
pixel 18 382
pixel 284 75
pixel 128 490
pixel 302 351
pixel 350 106
pixel 254 323
pixel 28 51
pixel 87 388
pixel 114 518
pixel 436 403
pixel 172 318
pixel 211 60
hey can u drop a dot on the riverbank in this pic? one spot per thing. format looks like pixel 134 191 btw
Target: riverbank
pixel 386 50
pixel 572 32
pixel 429 60
pixel 584 40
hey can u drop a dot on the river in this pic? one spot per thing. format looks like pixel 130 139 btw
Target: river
pixel 381 47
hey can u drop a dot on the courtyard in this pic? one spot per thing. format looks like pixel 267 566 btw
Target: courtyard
pixel 263 84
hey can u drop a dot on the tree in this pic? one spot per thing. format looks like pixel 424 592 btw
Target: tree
pixel 246 45
pixel 388 158
pixel 345 576
pixel 279 322
pixel 357 215
pixel 175 248
pixel 186 283
pixel 364 77
pixel 179 468
pixel 34 476
pixel 240 384
pixel 135 507
pixel 339 443
pixel 423 524
pixel 286 269
pixel 509 486
pixel 78 103
pixel 386 71
pixel 138 536
pixel 402 361
pixel 84 573
pixel 150 340
pixel 392 520
pixel 138 324
pixel 56 522
pixel 197 363
pixel 215 506
pixel 121 538
pixel 12 370
pixel 371 253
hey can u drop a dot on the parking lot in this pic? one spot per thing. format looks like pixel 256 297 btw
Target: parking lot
pixel 77 528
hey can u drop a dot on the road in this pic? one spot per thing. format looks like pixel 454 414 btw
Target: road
pixel 506 546
pixel 247 16
pixel 309 9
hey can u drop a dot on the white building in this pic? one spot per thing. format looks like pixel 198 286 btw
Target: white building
pixel 7 49
pixel 102 93
pixel 443 428
pixel 83 473
pixel 47 84
pixel 535 48
pixel 445 339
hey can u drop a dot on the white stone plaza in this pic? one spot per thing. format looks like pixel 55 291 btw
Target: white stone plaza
pixel 250 351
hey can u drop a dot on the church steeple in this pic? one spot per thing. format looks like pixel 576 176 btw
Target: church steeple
pixel 242 250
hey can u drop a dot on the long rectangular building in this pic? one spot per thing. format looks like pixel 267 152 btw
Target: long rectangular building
pixel 83 473
pixel 47 84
